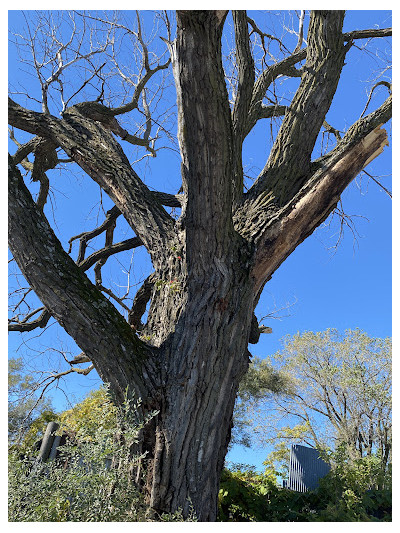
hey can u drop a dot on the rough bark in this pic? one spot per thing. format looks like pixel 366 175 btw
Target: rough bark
pixel 290 158
pixel 70 297
pixel 209 266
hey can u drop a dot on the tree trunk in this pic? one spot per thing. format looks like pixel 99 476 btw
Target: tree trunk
pixel 202 366
pixel 211 265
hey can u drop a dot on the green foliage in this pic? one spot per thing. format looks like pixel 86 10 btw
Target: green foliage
pixel 86 490
pixel 250 497
pixel 279 457
pixel 360 487
pixel 177 516
pixel 352 492
pixel 83 418
pixel 258 384
pixel 80 486
pixel 261 380
pixel 51 494
pixel 243 496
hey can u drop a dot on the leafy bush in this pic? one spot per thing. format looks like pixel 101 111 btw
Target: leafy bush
pixel 85 489
pixel 249 497
pixel 79 486
pixel 47 493
pixel 356 491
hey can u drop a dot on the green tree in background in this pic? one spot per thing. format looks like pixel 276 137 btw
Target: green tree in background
pixel 23 406
pixel 331 389
pixel 84 417
pixel 342 389
pixel 259 383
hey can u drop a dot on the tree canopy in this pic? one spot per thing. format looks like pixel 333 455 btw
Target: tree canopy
pixel 338 390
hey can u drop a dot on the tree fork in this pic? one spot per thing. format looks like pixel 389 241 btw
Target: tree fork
pixel 209 266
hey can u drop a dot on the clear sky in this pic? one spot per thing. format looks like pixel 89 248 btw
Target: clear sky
pixel 349 287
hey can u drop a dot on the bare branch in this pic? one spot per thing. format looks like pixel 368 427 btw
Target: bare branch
pixel 24 325
pixel 269 111
pixel 79 359
pixel 382 82
pixel 264 36
pixel 373 178
pixel 312 100
pixel 245 65
pixel 246 77
pixel 105 253
pixel 331 129
pixel 367 34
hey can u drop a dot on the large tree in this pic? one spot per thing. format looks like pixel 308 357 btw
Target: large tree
pixel 337 390
pixel 211 264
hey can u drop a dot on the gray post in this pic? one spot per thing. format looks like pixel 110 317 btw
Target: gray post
pixel 47 441
pixel 54 447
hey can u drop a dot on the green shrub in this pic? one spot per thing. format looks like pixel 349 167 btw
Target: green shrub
pixel 84 490
pixel 356 491
pixel 249 497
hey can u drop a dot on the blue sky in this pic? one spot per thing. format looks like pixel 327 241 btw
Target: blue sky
pixel 346 288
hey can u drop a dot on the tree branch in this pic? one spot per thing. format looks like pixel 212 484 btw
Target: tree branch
pixel 291 152
pixel 285 67
pixel 90 145
pixel 206 180
pixel 284 229
pixel 140 302
pixel 105 253
pixel 264 81
pixel 133 104
pixel 24 325
pixel 85 314
pixel 246 77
